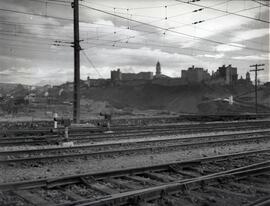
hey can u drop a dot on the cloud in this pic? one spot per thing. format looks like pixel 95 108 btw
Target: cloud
pixel 229 47
pixel 33 58
pixel 250 34
pixel 252 57
pixel 143 56
pixel 104 22
pixel 216 56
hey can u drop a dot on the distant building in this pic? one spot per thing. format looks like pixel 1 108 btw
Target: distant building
pixel 169 81
pixel 159 75
pixel 128 76
pixel 117 75
pixel 138 76
pixel 227 73
pixel 100 82
pixel 195 75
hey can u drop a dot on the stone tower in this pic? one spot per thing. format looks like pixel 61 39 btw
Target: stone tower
pixel 248 76
pixel 158 68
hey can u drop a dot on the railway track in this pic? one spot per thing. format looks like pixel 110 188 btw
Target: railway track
pixel 45 155
pixel 124 128
pixel 129 133
pixel 181 182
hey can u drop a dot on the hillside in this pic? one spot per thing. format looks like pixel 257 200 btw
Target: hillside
pixel 6 88
pixel 143 100
pixel 180 99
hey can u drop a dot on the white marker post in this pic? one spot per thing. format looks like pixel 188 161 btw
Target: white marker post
pixel 67 143
pixel 55 120
pixel 231 100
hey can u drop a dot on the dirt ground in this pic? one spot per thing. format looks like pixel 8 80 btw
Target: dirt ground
pixel 93 164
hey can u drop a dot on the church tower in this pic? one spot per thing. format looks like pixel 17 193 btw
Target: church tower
pixel 158 69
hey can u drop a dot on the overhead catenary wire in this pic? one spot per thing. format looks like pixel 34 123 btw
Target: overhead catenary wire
pixel 267 5
pixel 169 30
pixel 33 14
pixel 166 29
pixel 56 2
pixel 123 45
pixel 26 41
pixel 220 16
pixel 130 8
pixel 150 44
pixel 170 19
pixel 32 35
pixel 26 47
pixel 115 15
pixel 162 19
pixel 153 32
pixel 231 13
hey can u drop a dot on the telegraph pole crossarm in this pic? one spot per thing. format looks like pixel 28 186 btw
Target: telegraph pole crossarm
pixel 256 83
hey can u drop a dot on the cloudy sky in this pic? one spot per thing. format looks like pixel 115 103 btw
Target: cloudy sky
pixel 150 30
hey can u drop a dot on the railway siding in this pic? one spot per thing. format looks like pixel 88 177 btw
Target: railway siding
pixel 93 189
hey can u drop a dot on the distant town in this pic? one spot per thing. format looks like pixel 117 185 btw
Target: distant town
pixel 223 84
pixel 225 75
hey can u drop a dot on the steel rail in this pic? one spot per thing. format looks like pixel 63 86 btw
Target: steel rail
pixel 197 138
pixel 126 127
pixel 156 191
pixel 72 179
pixel 87 137
pixel 124 151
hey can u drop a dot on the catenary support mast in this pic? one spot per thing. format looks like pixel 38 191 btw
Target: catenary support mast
pixel 77 48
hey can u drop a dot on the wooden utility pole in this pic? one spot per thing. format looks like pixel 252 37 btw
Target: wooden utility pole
pixel 256 83
pixel 77 48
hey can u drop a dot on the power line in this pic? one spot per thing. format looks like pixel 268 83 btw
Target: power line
pixel 92 64
pixel 130 8
pixel 216 17
pixel 148 32
pixel 138 25
pixel 28 47
pixel 175 48
pixel 235 14
pixel 32 14
pixel 152 44
pixel 123 45
pixel 166 29
pixel 213 18
pixel 267 5
pixel 176 22
pixel 56 2
pixel 56 27
pixel 162 19
pixel 25 41
pixel 32 35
